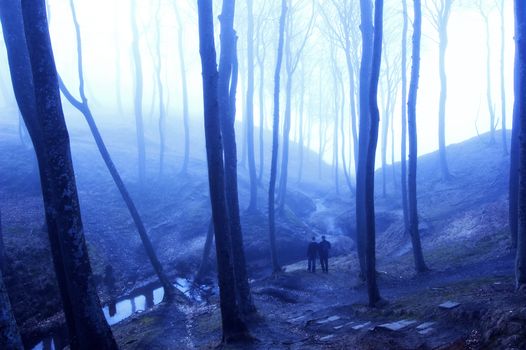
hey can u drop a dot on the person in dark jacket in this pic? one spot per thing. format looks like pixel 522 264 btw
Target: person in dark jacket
pixel 312 252
pixel 324 247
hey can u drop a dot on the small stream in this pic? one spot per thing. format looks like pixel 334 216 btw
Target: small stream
pixel 139 300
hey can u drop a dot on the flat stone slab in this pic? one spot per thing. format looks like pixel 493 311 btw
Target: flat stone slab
pixel 329 319
pixel 327 337
pixel 396 326
pixel 425 325
pixel 426 331
pixel 448 305
pixel 296 319
pixel 360 326
pixel 343 325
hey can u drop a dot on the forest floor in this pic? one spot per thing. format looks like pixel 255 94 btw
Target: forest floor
pixel 302 310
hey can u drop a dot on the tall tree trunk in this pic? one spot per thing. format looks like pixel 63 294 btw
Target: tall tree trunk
pixel 22 81
pixel 252 207
pixel 261 63
pixel 513 195
pixel 275 140
pixel 283 175
pixel 366 28
pixel 385 130
pixel 403 157
pixel 170 292
pixel 443 19
pixel 138 95
pixel 61 203
pixel 352 102
pixel 228 71
pixel 420 265
pixel 160 88
pixel 301 140
pixel 503 80
pixel 520 98
pixel 9 335
pixel 233 327
pixel 370 251
pixel 184 89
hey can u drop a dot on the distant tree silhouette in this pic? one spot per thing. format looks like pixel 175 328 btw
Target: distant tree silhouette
pixel 275 142
pixel 184 90
pixel 420 265
pixel 170 292
pixel 403 146
pixel 138 93
pixel 520 108
pixel 234 328
pixel 253 204
pixel 440 11
pixel 30 57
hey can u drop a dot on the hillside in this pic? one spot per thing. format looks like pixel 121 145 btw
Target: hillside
pixel 463 225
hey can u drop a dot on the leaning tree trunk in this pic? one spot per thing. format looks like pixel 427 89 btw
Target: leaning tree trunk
pixel 226 99
pixel 138 95
pixel 420 265
pixel 59 187
pixel 170 292
pixel 275 141
pixel 520 98
pixel 513 195
pixel 403 157
pixel 233 327
pixel 365 77
pixel 370 244
pixel 9 335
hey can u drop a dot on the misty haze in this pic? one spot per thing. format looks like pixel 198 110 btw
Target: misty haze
pixel 257 174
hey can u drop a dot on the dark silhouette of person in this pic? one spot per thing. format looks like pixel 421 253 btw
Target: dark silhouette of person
pixel 312 252
pixel 324 247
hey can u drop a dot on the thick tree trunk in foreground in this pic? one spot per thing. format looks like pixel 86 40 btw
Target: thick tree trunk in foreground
pixel 370 244
pixel 227 87
pixel 420 265
pixel 365 79
pixel 170 291
pixel 520 98
pixel 9 335
pixel 90 330
pixel 233 327
pixel 275 141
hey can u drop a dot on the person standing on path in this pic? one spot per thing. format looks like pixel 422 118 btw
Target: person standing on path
pixel 324 247
pixel 312 252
